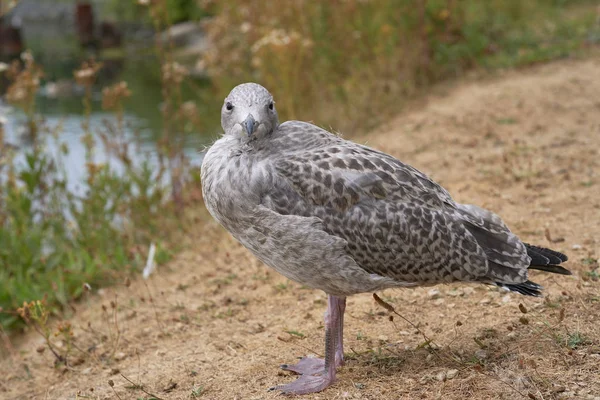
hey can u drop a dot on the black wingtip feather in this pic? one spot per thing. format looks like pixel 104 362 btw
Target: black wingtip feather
pixel 526 288
pixel 555 269
pixel 538 254
pixel 537 258
pixel 541 259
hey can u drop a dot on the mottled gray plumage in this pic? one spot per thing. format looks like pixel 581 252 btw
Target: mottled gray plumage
pixel 344 218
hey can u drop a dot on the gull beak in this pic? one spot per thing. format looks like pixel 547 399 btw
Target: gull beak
pixel 250 125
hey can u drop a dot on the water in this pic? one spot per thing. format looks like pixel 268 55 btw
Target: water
pixel 70 137
pixel 143 121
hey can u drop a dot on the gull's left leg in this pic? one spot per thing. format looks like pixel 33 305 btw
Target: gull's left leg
pixel 313 365
pixel 339 350
pixel 316 376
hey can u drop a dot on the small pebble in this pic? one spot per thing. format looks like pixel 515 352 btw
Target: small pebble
pixel 451 373
pixel 565 395
pixel 559 389
pixel 468 290
pixel 481 354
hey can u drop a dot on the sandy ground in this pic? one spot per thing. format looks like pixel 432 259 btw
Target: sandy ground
pixel 216 323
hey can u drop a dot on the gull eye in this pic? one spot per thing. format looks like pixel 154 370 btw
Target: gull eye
pixel 229 106
pixel 271 106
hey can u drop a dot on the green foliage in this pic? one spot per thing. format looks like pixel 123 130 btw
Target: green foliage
pixel 576 339
pixel 197 392
pixel 348 63
pixel 183 10
pixel 55 241
pixel 178 10
pixel 52 241
pixel 572 340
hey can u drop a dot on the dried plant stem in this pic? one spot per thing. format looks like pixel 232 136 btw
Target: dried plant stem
pixel 391 309
pixel 141 387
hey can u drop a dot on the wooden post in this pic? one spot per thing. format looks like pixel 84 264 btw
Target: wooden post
pixel 11 44
pixel 110 36
pixel 84 20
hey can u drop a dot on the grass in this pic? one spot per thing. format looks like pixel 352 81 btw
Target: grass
pixel 576 339
pixel 197 392
pixel 296 333
pixel 350 65
pixel 593 272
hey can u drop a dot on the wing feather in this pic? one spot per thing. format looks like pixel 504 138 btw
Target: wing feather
pixel 501 246
pixel 396 221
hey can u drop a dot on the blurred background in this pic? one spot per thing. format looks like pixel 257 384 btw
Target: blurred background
pixel 106 106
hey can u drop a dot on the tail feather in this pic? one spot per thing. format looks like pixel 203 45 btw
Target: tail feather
pixel 542 259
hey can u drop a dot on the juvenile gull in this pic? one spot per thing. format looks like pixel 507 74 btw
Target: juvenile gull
pixel 344 218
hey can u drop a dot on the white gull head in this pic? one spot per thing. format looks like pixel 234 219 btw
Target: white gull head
pixel 249 111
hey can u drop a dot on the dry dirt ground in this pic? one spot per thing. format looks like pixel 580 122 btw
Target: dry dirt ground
pixel 215 323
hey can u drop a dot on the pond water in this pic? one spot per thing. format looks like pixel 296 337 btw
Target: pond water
pixel 143 121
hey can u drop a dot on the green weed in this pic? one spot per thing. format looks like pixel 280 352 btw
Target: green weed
pixel 55 241
pixel 197 392
pixel 575 339
pixel 281 287
pixel 296 333
pixel 571 340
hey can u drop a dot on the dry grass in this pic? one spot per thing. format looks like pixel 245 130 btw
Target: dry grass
pixel 216 323
pixel 352 63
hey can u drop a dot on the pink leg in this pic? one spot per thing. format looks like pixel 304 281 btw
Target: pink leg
pixel 317 374
pixel 313 365
pixel 339 350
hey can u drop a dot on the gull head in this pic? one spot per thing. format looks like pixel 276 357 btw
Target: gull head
pixel 249 112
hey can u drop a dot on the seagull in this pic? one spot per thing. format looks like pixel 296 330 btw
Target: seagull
pixel 344 218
